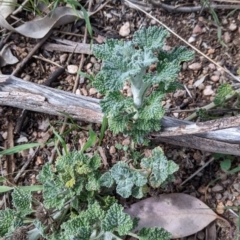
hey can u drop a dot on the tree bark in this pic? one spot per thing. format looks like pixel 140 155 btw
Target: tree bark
pixel 18 93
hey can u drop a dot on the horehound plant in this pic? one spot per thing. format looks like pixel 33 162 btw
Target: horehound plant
pixel 79 198
pixel 151 72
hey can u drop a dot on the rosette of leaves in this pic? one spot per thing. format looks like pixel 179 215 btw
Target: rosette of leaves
pixel 132 63
pixel 75 176
pixel 156 171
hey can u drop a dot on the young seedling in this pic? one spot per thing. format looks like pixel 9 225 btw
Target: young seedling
pixel 150 71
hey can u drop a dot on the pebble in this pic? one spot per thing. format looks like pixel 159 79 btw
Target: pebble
pixel 197 29
pixel 125 29
pixel 93 60
pixel 72 69
pixel 218 196
pixel 201 86
pixel 215 78
pixel 217 188
pixel 78 92
pixel 227 37
pixel 237 186
pixel 232 27
pixel 112 150
pixel 27 78
pixel 89 65
pixel 84 91
pixel 195 66
pixel 220 208
pixel 179 93
pixel 192 39
pixel 208 90
pixel 126 141
pixel 63 57
pixel 92 91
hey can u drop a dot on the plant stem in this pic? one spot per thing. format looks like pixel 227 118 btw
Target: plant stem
pixel 212 105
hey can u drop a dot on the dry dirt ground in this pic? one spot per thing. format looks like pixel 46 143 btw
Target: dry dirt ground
pixel 200 29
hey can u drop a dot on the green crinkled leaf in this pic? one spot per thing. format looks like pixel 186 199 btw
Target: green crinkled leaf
pixel 46 173
pixel 93 183
pixel 6 220
pixel 223 91
pixel 139 178
pixel 22 201
pixel 117 220
pixel 106 180
pixel 152 108
pixel 121 172
pixel 55 194
pixel 124 188
pixel 105 50
pixel 151 38
pixel 99 83
pixel 93 214
pixel 178 54
pixel 153 234
pixel 76 228
pixel 114 103
pixel 161 168
pixel 137 192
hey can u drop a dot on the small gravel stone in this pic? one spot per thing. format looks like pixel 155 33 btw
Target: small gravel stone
pixel 192 39
pixel 217 188
pixel 218 196
pixel 112 150
pixel 126 141
pixel 78 92
pixel 208 90
pixel 92 91
pixel 72 69
pixel 84 91
pixel 215 78
pixel 232 27
pixel 27 78
pixel 89 65
pixel 63 57
pixel 220 208
pixel 197 29
pixel 201 86
pixel 125 30
pixel 227 37
pixel 195 66
pixel 237 186
pixel 93 60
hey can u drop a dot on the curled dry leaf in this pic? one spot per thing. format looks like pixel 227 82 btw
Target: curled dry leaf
pixel 6 57
pixel 180 214
pixel 40 27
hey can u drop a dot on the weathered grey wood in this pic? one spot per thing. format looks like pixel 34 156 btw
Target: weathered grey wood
pixel 230 135
pixel 21 94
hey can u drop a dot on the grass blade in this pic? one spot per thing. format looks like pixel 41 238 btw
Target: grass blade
pixel 19 148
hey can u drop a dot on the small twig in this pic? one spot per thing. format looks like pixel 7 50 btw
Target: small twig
pixel 19 9
pixel 183 40
pixel 190 9
pixel 30 158
pixel 199 170
pixel 212 105
pixel 47 60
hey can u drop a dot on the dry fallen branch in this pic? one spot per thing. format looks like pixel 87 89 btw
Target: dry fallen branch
pixel 21 94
